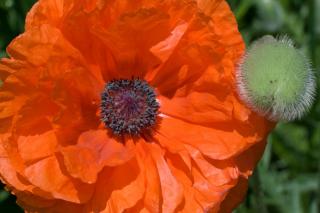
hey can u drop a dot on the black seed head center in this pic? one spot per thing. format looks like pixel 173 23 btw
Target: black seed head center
pixel 128 106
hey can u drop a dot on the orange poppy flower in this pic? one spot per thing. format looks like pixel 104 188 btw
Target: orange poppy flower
pixel 112 106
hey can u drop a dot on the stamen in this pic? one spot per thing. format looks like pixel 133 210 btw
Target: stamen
pixel 128 106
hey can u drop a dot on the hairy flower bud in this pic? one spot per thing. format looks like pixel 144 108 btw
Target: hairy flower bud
pixel 275 79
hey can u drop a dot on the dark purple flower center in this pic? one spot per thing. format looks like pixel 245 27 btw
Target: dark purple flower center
pixel 128 106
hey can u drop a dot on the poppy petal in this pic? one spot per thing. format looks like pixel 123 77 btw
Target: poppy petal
pixel 116 190
pixel 94 151
pixel 172 192
pixel 131 53
pixel 152 197
pixel 165 48
pixel 32 148
pixel 59 185
pixel 214 143
pixel 209 46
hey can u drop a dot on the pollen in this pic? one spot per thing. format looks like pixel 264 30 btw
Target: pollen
pixel 128 106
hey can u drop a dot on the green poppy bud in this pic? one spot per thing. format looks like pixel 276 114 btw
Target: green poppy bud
pixel 275 79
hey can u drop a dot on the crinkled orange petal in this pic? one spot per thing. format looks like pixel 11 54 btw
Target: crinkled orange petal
pixel 183 173
pixel 209 99
pixel 201 46
pixel 130 45
pixel 10 105
pixel 172 193
pixel 11 177
pixel 81 163
pixel 13 164
pixel 199 108
pixel 245 162
pixel 235 196
pixel 152 198
pixel 206 194
pixel 115 190
pixel 165 48
pixel 57 206
pixel 191 203
pixel 111 152
pixel 127 197
pixel 35 117
pixel 47 12
pixel 215 143
pixel 39 44
pixel 32 148
pixel 217 176
pixel 29 200
pixel 59 184
pixel 93 152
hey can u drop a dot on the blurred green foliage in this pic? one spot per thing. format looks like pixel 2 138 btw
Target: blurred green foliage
pixel 287 179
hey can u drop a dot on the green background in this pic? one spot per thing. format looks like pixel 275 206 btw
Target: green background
pixel 287 179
